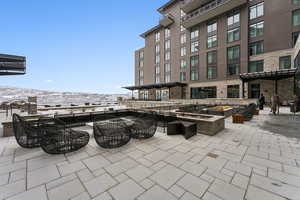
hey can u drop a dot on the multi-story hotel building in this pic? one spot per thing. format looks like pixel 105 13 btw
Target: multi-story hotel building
pixel 219 49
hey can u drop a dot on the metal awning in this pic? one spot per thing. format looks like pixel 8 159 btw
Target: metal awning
pixel 12 65
pixel 156 86
pixel 272 75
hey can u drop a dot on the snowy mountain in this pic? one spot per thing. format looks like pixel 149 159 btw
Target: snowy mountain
pixel 57 98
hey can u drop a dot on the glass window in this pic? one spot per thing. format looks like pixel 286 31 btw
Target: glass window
pixel 183 64
pixel 182 13
pixel 233 53
pixel 233 69
pixel 256 48
pixel 157 49
pixel 211 72
pixel 167 32
pixel 157 79
pixel 194 46
pixel 233 91
pixel 256 66
pixel 167 55
pixel 295 36
pixel 194 33
pixel 183 51
pixel 212 41
pixel 141 54
pixel 168 78
pixel 233 35
pixel 257 10
pixel 194 75
pixel 285 62
pixel 296 2
pixel 204 92
pixel 167 67
pixel 254 92
pixel 212 27
pixel 167 44
pixel 296 17
pixel 158 94
pixel 194 61
pixel 157 59
pixel 157 36
pixel 212 58
pixel 157 69
pixel 257 29
pixel 182 76
pixel 141 63
pixel 183 39
pixel 233 19
pixel 182 28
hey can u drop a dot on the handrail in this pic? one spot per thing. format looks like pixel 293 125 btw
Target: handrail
pixel 204 9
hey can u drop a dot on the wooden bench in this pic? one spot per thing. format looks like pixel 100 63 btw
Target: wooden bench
pixel 187 129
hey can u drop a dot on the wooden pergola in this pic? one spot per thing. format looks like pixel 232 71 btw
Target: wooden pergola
pixel 271 76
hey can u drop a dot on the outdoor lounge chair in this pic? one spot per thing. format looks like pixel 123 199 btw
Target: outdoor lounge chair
pixel 111 134
pixel 26 133
pixel 57 138
pixel 144 127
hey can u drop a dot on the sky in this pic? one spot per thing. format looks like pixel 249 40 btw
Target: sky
pixel 75 45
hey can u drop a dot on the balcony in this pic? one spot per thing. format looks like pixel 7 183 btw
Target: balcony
pixel 190 5
pixel 166 20
pixel 209 11
pixel 12 65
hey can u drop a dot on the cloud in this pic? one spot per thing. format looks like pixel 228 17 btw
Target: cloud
pixel 49 81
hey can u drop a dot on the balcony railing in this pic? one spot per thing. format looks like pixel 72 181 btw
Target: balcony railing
pixel 202 10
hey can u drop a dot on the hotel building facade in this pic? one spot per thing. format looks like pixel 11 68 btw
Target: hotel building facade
pixel 202 48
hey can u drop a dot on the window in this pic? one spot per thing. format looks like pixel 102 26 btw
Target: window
pixel 157 59
pixel 194 46
pixel 158 94
pixel 212 41
pixel 296 17
pixel 295 2
pixel 256 66
pixel 157 49
pixel 167 44
pixel 285 62
pixel 157 69
pixel 141 55
pixel 167 33
pixel 257 10
pixel 257 29
pixel 182 76
pixel 168 78
pixel 233 53
pixel 212 58
pixel 183 39
pixel 167 56
pixel 233 60
pixel 254 92
pixel 204 92
pixel 233 35
pixel 212 27
pixel 167 67
pixel 256 48
pixel 194 33
pixel 194 68
pixel 183 64
pixel 211 72
pixel 157 79
pixel 141 63
pixel 234 19
pixel 157 37
pixel 233 91
pixel 183 51
pixel 182 13
pixel 182 28
pixel 295 36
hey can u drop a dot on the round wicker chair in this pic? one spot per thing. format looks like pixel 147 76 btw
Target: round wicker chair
pixel 26 133
pixel 58 139
pixel 111 134
pixel 144 127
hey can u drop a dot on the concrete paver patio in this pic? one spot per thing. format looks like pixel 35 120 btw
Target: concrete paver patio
pixel 245 161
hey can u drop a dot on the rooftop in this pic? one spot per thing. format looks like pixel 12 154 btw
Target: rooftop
pixel 257 160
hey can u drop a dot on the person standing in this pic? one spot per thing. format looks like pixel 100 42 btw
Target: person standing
pixel 275 104
pixel 262 101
